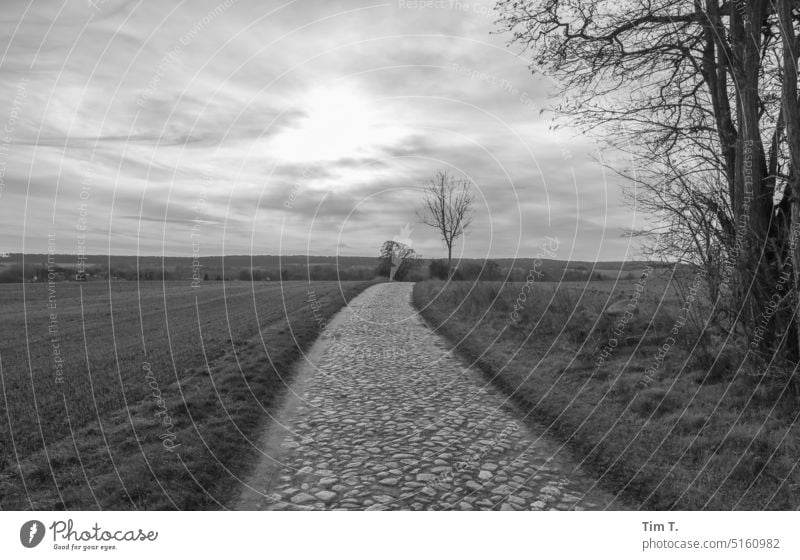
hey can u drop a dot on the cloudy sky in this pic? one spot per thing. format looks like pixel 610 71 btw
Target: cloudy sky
pixel 303 127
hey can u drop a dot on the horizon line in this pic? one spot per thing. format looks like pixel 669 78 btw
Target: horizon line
pixel 251 255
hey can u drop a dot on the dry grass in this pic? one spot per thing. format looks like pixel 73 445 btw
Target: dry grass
pixel 220 356
pixel 698 434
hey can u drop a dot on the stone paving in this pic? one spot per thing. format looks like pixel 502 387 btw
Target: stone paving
pixel 388 418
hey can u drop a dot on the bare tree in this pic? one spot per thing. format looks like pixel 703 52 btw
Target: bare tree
pixel 397 260
pixel 448 209
pixel 693 220
pixel 711 84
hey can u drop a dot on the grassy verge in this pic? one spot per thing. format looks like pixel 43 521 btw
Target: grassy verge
pixel 164 390
pixel 661 413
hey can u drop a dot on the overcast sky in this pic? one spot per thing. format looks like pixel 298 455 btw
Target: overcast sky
pixel 303 127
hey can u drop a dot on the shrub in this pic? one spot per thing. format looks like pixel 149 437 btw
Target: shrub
pixel 469 271
pixel 323 272
pixel 438 269
pixel 147 274
pixel 406 269
pixel 716 366
pixel 416 276
pixel 13 273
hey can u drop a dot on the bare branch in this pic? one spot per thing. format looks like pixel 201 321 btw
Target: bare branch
pixel 448 208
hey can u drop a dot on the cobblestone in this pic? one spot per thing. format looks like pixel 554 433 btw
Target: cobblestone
pixel 390 419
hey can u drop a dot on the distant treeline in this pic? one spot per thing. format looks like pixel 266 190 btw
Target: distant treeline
pixel 266 268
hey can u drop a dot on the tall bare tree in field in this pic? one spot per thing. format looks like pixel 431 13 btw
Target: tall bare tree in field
pixel 448 209
pixel 695 89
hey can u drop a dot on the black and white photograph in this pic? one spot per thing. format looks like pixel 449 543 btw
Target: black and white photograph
pixel 363 256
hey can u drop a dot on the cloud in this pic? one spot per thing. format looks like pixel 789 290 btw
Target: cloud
pixel 341 109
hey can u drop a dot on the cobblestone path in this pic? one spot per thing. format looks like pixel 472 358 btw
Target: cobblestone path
pixel 384 417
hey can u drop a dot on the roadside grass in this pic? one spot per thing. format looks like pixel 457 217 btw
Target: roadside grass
pixel 699 433
pixel 221 357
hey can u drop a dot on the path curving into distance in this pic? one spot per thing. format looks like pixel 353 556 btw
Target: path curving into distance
pixel 383 416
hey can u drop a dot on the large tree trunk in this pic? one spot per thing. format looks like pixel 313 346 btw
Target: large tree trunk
pixel 752 201
pixel 449 260
pixel 791 115
pixel 715 71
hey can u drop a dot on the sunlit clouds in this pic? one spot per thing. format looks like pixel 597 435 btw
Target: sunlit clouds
pixel 305 127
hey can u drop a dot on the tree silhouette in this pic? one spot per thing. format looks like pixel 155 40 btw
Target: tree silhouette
pixel 448 209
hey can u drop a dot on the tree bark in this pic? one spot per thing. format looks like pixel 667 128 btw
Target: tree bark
pixel 791 116
pixel 751 207
pixel 449 260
